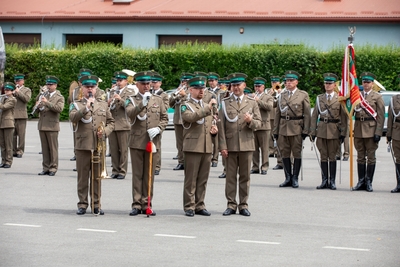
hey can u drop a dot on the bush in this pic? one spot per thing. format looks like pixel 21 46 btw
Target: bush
pixel 170 62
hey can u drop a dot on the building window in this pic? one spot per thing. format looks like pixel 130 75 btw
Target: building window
pixel 22 39
pixel 75 39
pixel 173 39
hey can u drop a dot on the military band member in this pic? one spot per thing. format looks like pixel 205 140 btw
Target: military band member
pixel 119 138
pixel 263 133
pixel 367 132
pixel 88 113
pixel 212 80
pixel 197 146
pixel 156 82
pixel 49 106
pixel 23 95
pixel 175 102
pixel 239 117
pixel 225 91
pixel 292 125
pixel 329 125
pixel 393 134
pixel 7 106
pixel 149 119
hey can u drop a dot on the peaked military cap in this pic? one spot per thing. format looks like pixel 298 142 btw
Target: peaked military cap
pixel 330 77
pixel 19 76
pixel 224 80
pixel 291 74
pixel 247 90
pixel 200 74
pixel 368 76
pixel 120 75
pixel 52 79
pixel 275 79
pixel 144 76
pixel 186 76
pixel 89 80
pixel 197 82
pixel 259 80
pixel 236 78
pixel 213 76
pixel 113 81
pixel 9 86
pixel 83 72
pixel 157 77
pixel 284 78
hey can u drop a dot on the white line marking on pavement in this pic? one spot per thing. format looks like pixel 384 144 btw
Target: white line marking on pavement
pixel 177 236
pixel 344 248
pixel 258 242
pixel 23 225
pixel 96 230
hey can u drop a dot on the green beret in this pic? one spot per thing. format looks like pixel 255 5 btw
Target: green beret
pixel 52 79
pixel 198 82
pixel 200 74
pixel 186 76
pixel 368 76
pixel 330 77
pixel 144 76
pixel 89 80
pixel 213 76
pixel 275 79
pixel 19 76
pixel 259 80
pixel 9 86
pixel 291 74
pixel 236 78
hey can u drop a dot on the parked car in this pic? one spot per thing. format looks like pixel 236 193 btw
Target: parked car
pixel 387 96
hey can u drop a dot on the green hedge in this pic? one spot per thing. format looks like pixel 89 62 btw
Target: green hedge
pixel 105 59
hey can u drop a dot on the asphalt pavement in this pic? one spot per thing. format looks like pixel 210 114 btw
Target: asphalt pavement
pixel 287 227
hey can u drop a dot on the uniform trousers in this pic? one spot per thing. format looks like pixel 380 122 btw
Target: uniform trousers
pixel 261 143
pixel 49 141
pixel 238 163
pixel 179 142
pixel 290 145
pixel 140 163
pixel 6 145
pixel 119 141
pixel 215 152
pixel 366 148
pixel 272 149
pixel 158 164
pixel 197 170
pixel 84 170
pixel 327 148
pixel 19 136
pixel 396 150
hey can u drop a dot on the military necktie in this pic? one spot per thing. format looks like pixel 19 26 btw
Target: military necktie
pixel 329 99
pixel 290 94
pixel 238 102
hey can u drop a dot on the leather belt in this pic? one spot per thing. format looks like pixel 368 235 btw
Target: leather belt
pixel 292 118
pixel 364 119
pixel 326 120
pixel 397 120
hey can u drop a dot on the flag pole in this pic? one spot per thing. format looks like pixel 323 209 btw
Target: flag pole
pixel 351 143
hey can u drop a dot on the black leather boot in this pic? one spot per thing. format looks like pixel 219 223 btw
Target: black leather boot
pixel 369 177
pixel 296 171
pixel 324 168
pixel 361 168
pixel 397 189
pixel 287 167
pixel 332 174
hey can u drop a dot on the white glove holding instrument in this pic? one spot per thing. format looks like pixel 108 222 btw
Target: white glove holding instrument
pixel 153 132
pixel 146 98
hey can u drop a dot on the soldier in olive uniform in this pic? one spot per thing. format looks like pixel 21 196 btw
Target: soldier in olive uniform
pixel 224 92
pixel 292 124
pixel 7 106
pixel 393 134
pixel 23 95
pixel 88 113
pixel 212 80
pixel 156 82
pixel 368 129
pixel 197 146
pixel 329 124
pixel 239 117
pixel 119 138
pixel 175 101
pixel 149 119
pixel 262 134
pixel 50 105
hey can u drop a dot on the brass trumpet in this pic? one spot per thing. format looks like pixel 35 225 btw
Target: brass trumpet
pixel 43 91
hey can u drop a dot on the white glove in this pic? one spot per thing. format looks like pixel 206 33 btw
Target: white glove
pixel 146 98
pixel 153 132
